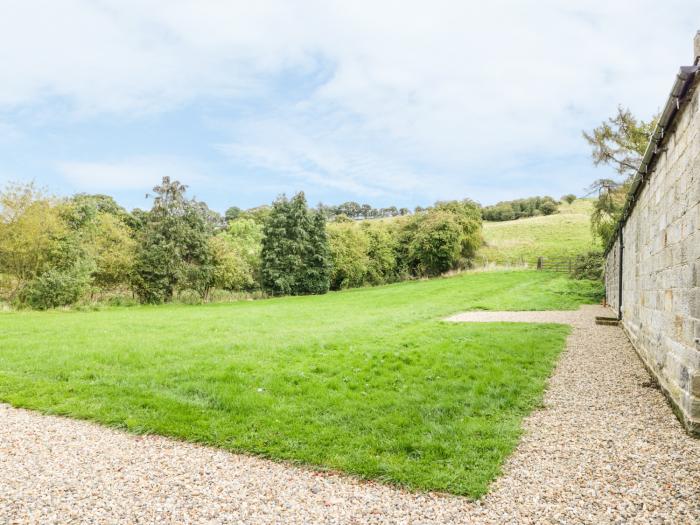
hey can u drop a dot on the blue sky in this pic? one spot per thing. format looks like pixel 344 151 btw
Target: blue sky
pixel 391 103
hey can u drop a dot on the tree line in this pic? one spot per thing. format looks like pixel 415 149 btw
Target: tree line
pixel 502 211
pixel 357 211
pixel 85 248
pixel 521 208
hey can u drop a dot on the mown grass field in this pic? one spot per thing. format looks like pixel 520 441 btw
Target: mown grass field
pixel 367 381
pixel 567 233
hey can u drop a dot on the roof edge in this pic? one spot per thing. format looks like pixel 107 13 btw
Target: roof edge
pixel 676 97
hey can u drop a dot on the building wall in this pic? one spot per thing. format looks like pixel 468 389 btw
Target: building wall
pixel 661 267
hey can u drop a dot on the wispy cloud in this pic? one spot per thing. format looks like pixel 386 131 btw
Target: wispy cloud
pixel 370 98
pixel 315 155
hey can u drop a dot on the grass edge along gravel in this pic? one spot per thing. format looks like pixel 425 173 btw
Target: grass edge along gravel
pixel 369 382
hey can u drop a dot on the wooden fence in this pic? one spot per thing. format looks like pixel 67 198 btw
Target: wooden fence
pixel 560 264
pixel 556 264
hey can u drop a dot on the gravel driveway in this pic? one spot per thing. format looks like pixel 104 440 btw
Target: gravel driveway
pixel 605 448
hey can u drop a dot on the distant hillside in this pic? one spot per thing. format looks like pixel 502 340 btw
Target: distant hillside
pixel 565 233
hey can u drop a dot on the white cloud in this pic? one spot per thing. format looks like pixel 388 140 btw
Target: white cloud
pixel 140 173
pixel 422 96
pixel 314 155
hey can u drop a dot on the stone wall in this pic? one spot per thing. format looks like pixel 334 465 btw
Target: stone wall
pixel 661 266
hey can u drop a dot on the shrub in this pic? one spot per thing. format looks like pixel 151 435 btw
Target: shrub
pixel 548 208
pixel 225 296
pixel 570 197
pixel 198 276
pixel 122 300
pixel 443 238
pixel 582 289
pixel 55 288
pixel 190 296
pixel 590 266
pixel 436 245
pixel 500 212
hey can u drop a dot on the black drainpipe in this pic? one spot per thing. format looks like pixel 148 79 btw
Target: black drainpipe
pixel 619 282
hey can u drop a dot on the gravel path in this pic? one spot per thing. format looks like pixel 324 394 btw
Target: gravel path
pixel 605 448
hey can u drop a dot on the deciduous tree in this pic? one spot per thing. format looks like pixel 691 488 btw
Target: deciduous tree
pixel 173 248
pixel 348 247
pixel 30 226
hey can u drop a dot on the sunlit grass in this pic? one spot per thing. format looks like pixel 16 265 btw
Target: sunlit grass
pixel 368 381
pixel 564 234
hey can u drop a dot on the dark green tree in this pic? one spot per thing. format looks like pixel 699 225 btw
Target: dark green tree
pixel 436 245
pixel 317 261
pixel 444 238
pixel 173 250
pixel 520 208
pixel 102 204
pixel 295 257
pixel 281 253
pixel 233 213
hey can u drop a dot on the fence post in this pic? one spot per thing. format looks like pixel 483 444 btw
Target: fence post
pixel 539 263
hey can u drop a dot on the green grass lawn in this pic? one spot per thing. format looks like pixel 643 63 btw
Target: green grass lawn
pixel 367 381
pixel 567 233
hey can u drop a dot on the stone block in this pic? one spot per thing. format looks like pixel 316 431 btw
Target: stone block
pixel 661 272
pixel 695 384
pixel 694 303
pixel 692 407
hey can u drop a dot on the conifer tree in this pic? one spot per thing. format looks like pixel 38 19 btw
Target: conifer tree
pixel 295 257
pixel 318 257
pixel 278 265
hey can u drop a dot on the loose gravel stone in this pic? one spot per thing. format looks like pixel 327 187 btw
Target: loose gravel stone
pixel 605 448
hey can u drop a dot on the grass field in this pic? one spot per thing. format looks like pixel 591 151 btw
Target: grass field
pixel 367 381
pixel 566 233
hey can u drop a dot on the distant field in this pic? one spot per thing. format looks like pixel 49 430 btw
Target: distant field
pixel 368 381
pixel 565 233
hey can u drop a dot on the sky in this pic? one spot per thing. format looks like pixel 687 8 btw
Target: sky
pixel 385 102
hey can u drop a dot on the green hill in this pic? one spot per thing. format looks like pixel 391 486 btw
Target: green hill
pixel 565 233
